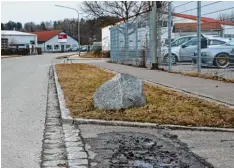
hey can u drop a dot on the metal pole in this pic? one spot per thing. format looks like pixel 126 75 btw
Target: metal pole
pixel 118 57
pixel 78 38
pixel 136 37
pixel 127 44
pixel 154 35
pixel 199 36
pixel 169 34
pixel 78 32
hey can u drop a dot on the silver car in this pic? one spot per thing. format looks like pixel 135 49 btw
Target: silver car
pixel 220 56
pixel 185 51
pixel 175 48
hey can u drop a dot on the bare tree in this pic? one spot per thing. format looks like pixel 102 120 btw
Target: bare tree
pixel 30 27
pixel 227 16
pixel 48 25
pixel 123 10
pixel 131 13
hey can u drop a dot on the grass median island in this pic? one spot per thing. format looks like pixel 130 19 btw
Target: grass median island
pixel 164 106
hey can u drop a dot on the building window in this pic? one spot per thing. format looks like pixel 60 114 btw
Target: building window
pixel 56 47
pixel 68 46
pixel 141 24
pixel 164 24
pixel 4 43
pixel 228 35
pixel 49 47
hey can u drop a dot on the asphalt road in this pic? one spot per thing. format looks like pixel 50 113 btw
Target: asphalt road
pixel 24 95
pixel 24 90
pixel 215 147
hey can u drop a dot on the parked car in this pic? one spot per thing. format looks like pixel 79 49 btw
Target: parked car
pixel 83 48
pixel 185 51
pixel 177 42
pixel 75 49
pixel 18 46
pixel 219 56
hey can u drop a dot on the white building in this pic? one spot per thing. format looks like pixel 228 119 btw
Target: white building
pixel 106 38
pixel 186 24
pixel 55 41
pixel 11 37
pixel 182 25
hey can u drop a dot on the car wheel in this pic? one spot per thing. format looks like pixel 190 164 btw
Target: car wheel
pixel 173 58
pixel 222 60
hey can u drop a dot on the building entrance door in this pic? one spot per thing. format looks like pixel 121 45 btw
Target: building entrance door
pixel 62 48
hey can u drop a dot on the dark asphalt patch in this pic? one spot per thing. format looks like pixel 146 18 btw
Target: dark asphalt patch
pixel 138 150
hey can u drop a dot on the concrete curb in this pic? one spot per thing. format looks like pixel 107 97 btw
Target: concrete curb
pixel 202 96
pixel 65 56
pixel 87 58
pixel 65 112
pixel 68 119
pixel 149 125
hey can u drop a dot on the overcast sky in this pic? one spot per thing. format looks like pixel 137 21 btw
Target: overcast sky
pixel 38 11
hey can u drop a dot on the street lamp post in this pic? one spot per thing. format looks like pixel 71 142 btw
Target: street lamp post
pixel 78 38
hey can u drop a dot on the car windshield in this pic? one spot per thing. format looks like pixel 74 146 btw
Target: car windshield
pixel 180 41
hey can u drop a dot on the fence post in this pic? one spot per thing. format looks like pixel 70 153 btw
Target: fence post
pixel 169 34
pixel 199 36
pixel 137 37
pixel 148 43
pixel 126 42
pixel 117 29
pixel 154 35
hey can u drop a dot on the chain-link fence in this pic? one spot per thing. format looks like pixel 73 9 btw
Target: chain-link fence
pixel 215 57
pixel 130 40
pixel 186 37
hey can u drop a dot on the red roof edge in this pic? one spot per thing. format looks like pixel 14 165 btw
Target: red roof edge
pixel 203 19
pixel 46 35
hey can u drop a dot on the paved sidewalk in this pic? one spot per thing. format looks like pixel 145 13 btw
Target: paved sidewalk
pixel 216 148
pixel 223 92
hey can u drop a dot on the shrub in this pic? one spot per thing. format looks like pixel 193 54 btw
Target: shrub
pixel 106 54
pixel 11 51
pixel 39 51
pixel 23 51
pixel 6 52
pixel 97 52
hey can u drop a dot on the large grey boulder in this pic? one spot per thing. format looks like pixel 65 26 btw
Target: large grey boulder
pixel 121 92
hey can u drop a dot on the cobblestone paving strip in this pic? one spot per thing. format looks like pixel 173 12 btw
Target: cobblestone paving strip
pixel 77 156
pixel 62 144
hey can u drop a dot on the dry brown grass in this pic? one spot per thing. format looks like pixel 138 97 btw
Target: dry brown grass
pixel 92 54
pixel 80 81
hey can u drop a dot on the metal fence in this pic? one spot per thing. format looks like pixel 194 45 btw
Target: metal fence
pixel 185 37
pixel 130 39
